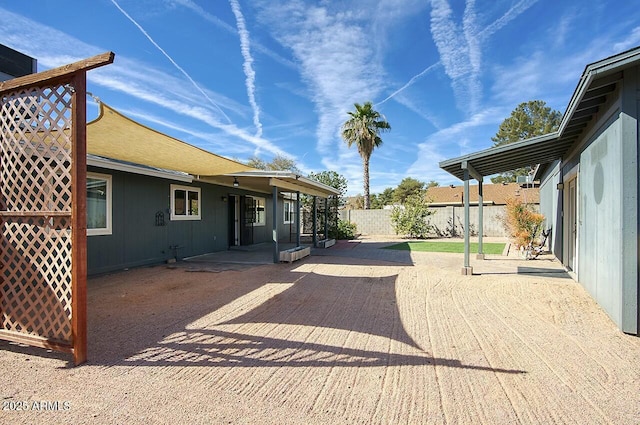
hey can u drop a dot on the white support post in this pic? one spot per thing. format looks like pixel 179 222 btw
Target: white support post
pixel 315 222
pixel 274 237
pixel 298 218
pixel 466 269
pixel 480 255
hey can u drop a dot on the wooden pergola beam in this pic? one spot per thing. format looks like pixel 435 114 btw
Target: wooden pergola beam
pixel 61 72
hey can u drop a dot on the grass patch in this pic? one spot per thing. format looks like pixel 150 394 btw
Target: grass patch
pixel 455 247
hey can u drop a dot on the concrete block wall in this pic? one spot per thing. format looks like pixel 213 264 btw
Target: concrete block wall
pixel 369 222
pixel 447 221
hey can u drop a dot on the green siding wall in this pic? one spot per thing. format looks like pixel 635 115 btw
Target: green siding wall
pixel 136 240
pixel 600 218
pixel 551 206
pixel 607 200
pixel 607 205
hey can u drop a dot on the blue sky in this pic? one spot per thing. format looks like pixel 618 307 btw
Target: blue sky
pixel 265 77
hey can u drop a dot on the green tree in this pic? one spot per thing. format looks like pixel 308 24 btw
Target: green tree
pixel 363 129
pixel 407 187
pixel 411 218
pixel 385 198
pixel 381 200
pixel 432 183
pixel 278 163
pixel 529 119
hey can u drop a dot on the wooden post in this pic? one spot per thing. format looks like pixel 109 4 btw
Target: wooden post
pixel 79 218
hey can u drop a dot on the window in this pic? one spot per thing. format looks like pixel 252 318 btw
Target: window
pixel 185 203
pixel 289 211
pixel 98 204
pixel 259 211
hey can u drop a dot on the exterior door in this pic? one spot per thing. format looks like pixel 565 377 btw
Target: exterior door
pixel 572 225
pixel 247 218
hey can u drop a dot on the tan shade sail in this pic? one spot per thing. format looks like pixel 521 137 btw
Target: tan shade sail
pixel 112 135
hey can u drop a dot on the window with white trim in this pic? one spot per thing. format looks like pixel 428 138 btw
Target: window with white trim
pixel 289 211
pixel 185 203
pixel 98 204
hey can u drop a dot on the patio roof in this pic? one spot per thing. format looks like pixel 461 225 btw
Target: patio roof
pixel 593 92
pixel 598 81
pixel 264 181
pixel 113 136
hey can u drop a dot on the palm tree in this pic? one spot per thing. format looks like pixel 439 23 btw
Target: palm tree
pixel 363 129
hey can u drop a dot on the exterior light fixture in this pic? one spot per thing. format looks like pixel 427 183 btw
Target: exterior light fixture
pixel 235 182
pixel 560 186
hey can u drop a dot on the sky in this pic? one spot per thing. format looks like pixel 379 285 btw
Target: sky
pixel 260 78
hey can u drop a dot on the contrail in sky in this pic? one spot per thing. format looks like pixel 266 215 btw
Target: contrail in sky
pixel 409 83
pixel 171 60
pixel 248 64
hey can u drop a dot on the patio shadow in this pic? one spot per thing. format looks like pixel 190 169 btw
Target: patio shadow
pixel 215 348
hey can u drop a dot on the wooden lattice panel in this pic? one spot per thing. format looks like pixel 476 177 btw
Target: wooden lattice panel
pixel 36 210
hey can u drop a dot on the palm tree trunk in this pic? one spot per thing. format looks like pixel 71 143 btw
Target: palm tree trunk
pixel 365 165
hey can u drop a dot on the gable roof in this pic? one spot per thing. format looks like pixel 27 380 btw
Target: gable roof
pixel 496 194
pixel 599 80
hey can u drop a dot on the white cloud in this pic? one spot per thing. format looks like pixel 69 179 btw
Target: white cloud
pixel 257 46
pixel 130 77
pixel 337 58
pixel 631 41
pixel 459 52
pixel 508 16
pixel 453 141
pixel 247 66
pixel 174 63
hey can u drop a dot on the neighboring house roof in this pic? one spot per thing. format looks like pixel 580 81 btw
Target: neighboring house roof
pixel 496 194
pixel 599 80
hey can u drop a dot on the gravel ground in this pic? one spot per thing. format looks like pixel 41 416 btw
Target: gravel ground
pixel 357 335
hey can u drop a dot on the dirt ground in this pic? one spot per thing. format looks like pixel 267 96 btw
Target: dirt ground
pixel 357 335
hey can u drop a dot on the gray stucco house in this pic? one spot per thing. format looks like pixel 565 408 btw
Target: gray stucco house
pixel 151 198
pixel 589 183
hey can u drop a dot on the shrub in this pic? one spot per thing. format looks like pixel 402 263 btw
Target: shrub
pixel 522 222
pixel 345 230
pixel 410 219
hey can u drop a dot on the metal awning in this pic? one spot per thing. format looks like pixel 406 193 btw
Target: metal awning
pixel 264 181
pixel 592 94
pixel 539 150
pixel 598 81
